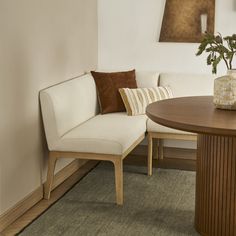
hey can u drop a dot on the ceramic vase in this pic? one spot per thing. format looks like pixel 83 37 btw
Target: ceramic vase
pixel 225 91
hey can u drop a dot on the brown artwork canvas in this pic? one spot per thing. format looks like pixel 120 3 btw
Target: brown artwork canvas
pixel 183 20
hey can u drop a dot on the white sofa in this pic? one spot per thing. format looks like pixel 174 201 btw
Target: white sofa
pixel 74 127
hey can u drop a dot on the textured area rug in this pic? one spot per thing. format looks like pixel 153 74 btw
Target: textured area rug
pixel 162 204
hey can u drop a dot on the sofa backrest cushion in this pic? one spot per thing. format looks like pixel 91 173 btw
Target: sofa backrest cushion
pixel 147 79
pixel 183 85
pixel 144 79
pixel 66 105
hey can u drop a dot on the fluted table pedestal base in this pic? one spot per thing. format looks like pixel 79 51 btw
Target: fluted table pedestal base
pixel 215 211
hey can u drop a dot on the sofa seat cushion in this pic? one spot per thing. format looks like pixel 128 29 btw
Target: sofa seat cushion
pixel 111 133
pixel 154 127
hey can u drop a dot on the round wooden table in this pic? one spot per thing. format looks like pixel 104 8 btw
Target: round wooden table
pixel 215 206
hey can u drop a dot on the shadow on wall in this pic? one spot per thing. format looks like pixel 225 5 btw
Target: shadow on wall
pixel 44 150
pixel 20 130
pixel 160 16
pixel 234 5
pixel 26 72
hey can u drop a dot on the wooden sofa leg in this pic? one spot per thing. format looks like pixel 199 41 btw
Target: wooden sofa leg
pixel 155 145
pixel 51 168
pixel 118 164
pixel 160 149
pixel 150 154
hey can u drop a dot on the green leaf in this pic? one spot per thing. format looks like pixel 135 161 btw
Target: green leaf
pixel 201 48
pixel 215 64
pixel 209 59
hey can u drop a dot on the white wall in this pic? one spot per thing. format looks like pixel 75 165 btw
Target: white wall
pixel 42 42
pixel 129 32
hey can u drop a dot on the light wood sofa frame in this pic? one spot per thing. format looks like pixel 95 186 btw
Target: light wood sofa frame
pixel 159 137
pixel 117 160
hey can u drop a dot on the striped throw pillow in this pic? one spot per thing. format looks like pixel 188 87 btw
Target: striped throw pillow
pixel 136 100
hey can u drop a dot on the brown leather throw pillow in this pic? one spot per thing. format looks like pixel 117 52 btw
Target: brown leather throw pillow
pixel 108 85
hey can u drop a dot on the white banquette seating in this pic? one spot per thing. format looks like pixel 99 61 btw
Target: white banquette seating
pixel 75 129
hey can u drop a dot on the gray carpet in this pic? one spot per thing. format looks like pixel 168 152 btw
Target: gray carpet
pixel 159 205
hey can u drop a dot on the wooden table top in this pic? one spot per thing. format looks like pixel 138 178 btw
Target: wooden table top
pixel 193 114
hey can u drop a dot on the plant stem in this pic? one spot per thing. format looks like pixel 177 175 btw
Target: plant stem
pixel 228 67
pixel 225 60
pixel 231 59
